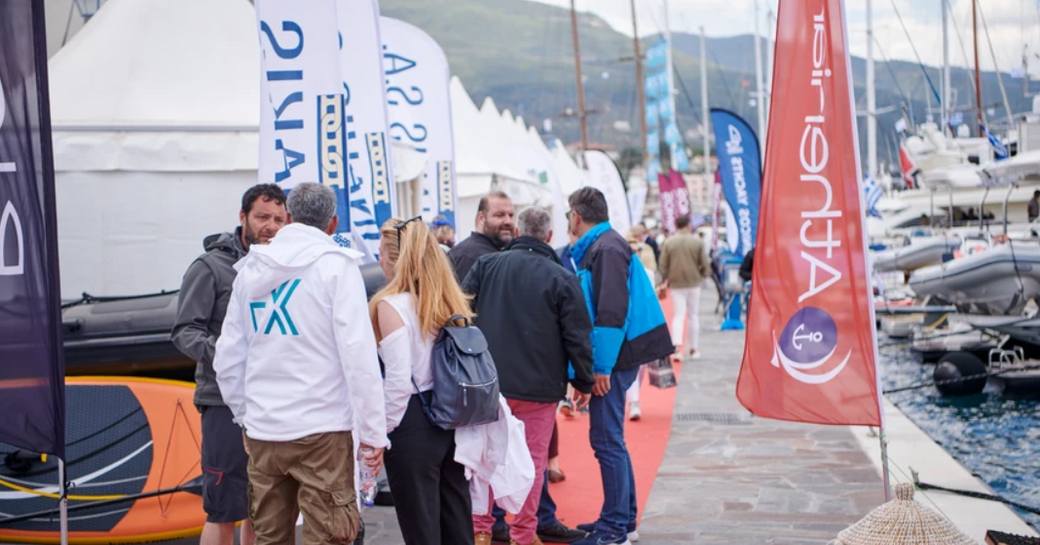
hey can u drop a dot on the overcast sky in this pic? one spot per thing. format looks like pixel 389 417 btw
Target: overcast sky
pixel 1013 24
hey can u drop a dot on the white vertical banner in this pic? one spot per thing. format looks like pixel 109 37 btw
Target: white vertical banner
pixel 370 182
pixel 419 105
pixel 323 114
pixel 301 99
pixel 604 175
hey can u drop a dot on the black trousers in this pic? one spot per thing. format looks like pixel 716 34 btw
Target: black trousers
pixel 431 495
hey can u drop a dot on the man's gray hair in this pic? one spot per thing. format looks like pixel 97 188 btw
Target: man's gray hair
pixel 312 204
pixel 536 222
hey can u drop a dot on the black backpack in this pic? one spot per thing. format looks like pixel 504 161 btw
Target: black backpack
pixel 465 381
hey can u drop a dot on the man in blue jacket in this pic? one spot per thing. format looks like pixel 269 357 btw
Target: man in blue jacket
pixel 628 330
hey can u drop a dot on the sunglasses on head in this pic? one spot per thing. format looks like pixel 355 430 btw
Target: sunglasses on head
pixel 400 226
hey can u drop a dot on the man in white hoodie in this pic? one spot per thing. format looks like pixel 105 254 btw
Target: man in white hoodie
pixel 296 364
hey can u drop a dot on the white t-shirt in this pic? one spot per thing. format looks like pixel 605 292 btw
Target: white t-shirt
pixel 406 358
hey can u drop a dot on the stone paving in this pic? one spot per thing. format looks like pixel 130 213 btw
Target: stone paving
pixel 730 478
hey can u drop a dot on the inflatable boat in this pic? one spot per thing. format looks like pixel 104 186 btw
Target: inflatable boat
pixel 129 335
pixel 921 252
pixel 997 280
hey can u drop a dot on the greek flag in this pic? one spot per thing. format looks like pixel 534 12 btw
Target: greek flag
pixel 1000 151
pixel 872 193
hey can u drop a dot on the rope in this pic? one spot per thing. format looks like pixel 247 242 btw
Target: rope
pixel 1000 77
pixel 974 494
pixel 88 298
pixel 56 496
pixel 966 378
pixel 891 72
pixel 902 342
pixel 964 53
pixel 920 63
pixel 194 486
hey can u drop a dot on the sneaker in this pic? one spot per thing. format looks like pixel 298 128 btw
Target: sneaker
pixel 481 538
pixel 500 533
pixel 600 538
pixel 634 413
pixel 694 354
pixel 567 408
pixel 560 533
pixel 633 534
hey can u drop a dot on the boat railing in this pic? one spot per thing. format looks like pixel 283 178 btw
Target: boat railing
pixel 1004 358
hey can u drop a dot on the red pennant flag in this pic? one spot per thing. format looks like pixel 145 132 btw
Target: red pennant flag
pixel 907 166
pixel 811 348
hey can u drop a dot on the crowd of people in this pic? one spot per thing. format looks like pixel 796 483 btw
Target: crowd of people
pixel 298 370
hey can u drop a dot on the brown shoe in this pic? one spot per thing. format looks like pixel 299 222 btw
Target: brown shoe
pixel 535 542
pixel 481 538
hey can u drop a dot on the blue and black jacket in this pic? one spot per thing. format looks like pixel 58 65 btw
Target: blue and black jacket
pixel 629 328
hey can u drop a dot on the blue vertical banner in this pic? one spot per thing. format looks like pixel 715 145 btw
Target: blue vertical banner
pixel 32 369
pixel 656 92
pixel 660 112
pixel 740 171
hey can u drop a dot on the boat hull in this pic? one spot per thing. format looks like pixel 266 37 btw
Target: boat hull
pixel 999 280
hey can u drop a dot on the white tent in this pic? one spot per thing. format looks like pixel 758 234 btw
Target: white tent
pixel 155 110
pixel 155 139
pixel 493 152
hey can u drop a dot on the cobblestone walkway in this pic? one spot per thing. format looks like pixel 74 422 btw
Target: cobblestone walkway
pixel 729 478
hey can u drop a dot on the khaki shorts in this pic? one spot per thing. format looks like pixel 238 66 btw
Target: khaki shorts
pixel 313 475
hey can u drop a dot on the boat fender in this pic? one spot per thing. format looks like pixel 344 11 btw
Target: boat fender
pixel 953 367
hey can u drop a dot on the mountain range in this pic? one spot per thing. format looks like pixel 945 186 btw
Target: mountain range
pixel 520 53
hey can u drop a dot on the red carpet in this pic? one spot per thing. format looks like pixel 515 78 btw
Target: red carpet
pixel 580 497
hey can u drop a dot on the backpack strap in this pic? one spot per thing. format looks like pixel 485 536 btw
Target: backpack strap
pixel 466 322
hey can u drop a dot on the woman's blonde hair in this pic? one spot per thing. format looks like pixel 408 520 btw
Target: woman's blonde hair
pixel 422 269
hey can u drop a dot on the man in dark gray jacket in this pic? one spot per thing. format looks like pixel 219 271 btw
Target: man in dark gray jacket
pixel 204 295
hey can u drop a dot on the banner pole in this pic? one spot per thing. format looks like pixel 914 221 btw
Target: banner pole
pixel 884 462
pixel 63 503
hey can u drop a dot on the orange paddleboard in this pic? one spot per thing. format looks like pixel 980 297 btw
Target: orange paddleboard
pixel 133 449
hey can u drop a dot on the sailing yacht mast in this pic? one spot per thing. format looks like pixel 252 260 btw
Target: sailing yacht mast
pixel 705 112
pixel 978 84
pixel 946 89
pixel 759 86
pixel 872 164
pixel 640 83
pixel 582 118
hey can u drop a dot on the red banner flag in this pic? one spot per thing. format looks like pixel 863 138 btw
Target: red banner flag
pixel 811 348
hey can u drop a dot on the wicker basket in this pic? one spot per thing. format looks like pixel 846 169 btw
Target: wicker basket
pixel 902 521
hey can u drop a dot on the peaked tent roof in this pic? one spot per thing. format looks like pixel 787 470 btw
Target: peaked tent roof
pixel 182 63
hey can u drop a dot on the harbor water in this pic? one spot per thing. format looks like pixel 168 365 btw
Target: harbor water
pixel 995 437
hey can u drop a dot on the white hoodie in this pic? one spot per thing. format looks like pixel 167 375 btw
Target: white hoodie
pixel 297 355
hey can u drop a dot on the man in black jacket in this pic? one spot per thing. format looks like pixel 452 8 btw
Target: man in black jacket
pixel 533 314
pixel 495 230
pixel 204 295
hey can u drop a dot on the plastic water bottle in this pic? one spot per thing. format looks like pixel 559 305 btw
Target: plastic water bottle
pixel 367 485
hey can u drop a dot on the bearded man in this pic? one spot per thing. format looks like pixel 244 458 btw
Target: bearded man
pixel 496 228
pixel 204 295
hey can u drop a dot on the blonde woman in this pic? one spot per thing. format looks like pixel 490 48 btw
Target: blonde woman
pixel 431 494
